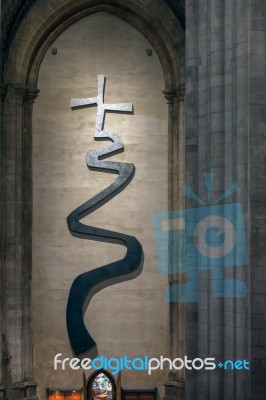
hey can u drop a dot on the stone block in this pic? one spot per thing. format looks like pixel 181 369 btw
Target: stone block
pixel 258 24
pixel 262 337
pixel 258 391
pixel 258 321
pixel 257 303
pixel 254 337
pixel 258 352
pixel 262 365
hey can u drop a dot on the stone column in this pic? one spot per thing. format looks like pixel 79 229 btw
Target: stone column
pixel 16 242
pixel 257 145
pixel 174 387
pixel 217 142
pixel 181 144
pixel 31 95
pixel 2 387
pixel 170 96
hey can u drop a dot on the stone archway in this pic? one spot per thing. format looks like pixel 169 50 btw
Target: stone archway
pixel 110 380
pixel 41 25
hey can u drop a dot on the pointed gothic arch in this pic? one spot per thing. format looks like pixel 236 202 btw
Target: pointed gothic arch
pixel 156 23
pixel 94 376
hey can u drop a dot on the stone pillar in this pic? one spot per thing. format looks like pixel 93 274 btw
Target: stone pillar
pixel 218 114
pixel 16 242
pixel 181 145
pixel 170 96
pixel 30 385
pixel 174 387
pixel 257 144
pixel 2 387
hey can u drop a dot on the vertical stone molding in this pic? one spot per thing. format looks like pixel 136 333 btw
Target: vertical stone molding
pixel 30 97
pixel 170 96
pixel 11 234
pixel 178 309
pixel 181 144
pixel 174 387
pixel 16 238
pixel 2 387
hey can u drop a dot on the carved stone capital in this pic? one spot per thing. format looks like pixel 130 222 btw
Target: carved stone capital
pixel 25 93
pixel 169 94
pixel 20 90
pixel 32 94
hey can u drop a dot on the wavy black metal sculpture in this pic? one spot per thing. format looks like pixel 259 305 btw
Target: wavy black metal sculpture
pixel 89 283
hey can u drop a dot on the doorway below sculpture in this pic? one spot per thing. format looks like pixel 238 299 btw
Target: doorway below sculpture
pixel 101 386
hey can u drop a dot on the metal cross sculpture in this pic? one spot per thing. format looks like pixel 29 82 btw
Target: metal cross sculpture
pixel 86 285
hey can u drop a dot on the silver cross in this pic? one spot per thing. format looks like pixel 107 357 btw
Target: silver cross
pixel 102 107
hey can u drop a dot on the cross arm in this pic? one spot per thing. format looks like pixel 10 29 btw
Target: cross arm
pixel 75 103
pixel 119 107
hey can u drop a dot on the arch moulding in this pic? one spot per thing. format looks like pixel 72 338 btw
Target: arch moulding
pixel 155 21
